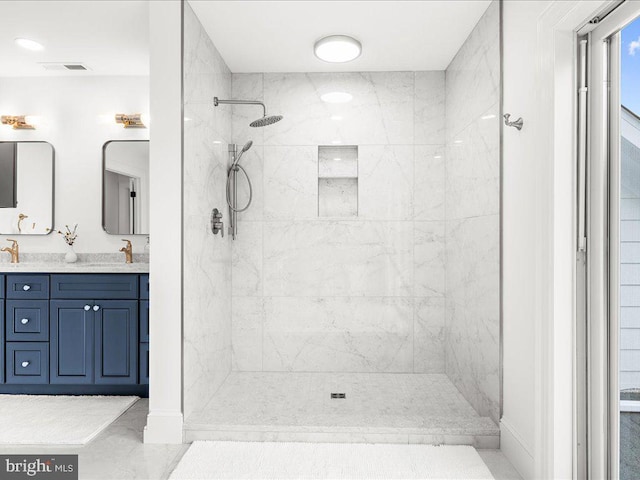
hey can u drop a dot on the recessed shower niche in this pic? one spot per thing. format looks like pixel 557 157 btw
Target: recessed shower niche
pixel 338 181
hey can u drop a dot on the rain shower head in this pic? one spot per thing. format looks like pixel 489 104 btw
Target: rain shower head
pixel 261 122
pixel 264 121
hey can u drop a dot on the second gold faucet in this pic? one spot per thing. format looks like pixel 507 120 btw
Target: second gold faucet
pixel 128 251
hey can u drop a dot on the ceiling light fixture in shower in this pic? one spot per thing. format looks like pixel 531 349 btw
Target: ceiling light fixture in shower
pixel 336 97
pixel 337 49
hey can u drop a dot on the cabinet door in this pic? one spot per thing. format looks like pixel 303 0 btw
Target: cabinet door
pixel 116 346
pixel 1 338
pixel 71 342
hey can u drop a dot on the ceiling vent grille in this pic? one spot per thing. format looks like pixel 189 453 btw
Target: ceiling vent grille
pixel 62 67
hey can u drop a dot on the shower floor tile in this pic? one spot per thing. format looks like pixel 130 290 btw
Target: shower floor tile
pixel 387 408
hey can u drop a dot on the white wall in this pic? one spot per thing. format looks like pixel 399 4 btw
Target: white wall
pixel 76 117
pixel 519 262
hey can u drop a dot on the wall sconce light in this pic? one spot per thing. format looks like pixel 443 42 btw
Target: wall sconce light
pixel 18 122
pixel 130 121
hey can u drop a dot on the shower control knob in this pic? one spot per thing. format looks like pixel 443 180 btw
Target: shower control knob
pixel 217 226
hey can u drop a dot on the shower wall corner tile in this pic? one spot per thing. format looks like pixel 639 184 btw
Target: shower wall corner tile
pixel 429 117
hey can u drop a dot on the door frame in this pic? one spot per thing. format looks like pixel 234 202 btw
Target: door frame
pixel 603 255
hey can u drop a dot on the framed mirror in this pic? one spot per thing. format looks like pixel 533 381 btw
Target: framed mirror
pixel 125 187
pixel 26 188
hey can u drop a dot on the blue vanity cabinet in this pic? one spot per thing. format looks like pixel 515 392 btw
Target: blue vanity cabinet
pixel 72 342
pixel 1 328
pixel 116 345
pixel 74 334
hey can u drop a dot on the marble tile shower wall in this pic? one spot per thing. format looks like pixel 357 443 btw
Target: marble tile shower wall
pixel 350 294
pixel 207 258
pixel 473 217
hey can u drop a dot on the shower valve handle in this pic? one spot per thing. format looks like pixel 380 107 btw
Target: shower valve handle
pixel 216 222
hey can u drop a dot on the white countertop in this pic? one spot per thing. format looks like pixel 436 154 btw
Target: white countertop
pixel 87 263
pixel 79 267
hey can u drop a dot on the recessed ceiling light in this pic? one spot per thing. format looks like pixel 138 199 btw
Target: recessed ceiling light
pixel 29 44
pixel 336 97
pixel 337 159
pixel 337 49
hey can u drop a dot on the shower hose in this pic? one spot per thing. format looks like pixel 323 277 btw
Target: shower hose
pixel 234 170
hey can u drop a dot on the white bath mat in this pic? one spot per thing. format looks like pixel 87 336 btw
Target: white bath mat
pixel 59 419
pixel 262 460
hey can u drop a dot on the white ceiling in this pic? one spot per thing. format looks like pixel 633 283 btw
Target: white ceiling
pixel 110 37
pixel 278 36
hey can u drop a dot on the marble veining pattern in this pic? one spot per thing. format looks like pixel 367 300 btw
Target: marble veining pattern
pixel 390 408
pixel 387 245
pixel 87 263
pixel 207 258
pixel 472 204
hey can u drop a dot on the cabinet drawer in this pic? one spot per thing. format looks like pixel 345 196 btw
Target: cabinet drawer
pixel 96 287
pixel 144 287
pixel 23 287
pixel 27 320
pixel 27 362
pixel 1 286
pixel 144 321
pixel 144 364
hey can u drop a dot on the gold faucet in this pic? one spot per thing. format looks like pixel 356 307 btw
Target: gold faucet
pixel 21 218
pixel 128 251
pixel 14 251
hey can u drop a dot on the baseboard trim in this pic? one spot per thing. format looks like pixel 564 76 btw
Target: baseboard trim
pixel 163 427
pixel 516 450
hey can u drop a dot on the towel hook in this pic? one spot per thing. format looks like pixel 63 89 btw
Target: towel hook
pixel 517 124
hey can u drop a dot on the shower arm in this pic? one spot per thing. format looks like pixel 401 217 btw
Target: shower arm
pixel 217 101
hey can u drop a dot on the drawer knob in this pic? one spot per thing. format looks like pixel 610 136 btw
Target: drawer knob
pixel 26 288
pixel 25 364
pixel 24 321
pixel 87 308
pixel 96 308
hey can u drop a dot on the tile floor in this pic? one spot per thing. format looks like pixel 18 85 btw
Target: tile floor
pixel 390 408
pixel 118 453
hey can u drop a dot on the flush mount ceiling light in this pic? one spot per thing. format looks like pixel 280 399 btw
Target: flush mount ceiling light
pixel 29 44
pixel 336 97
pixel 337 49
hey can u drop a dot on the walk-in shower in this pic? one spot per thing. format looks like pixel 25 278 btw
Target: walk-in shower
pixel 232 173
